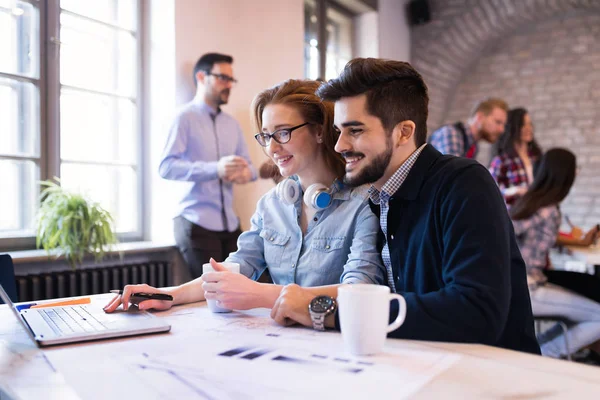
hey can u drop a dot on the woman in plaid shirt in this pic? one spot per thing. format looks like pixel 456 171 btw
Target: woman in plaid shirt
pixel 518 151
pixel 536 218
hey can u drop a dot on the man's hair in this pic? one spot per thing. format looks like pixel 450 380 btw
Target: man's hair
pixel 395 92
pixel 488 105
pixel 208 60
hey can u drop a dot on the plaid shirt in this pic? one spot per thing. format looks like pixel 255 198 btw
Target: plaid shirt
pixel 449 140
pixel 382 199
pixel 535 236
pixel 509 172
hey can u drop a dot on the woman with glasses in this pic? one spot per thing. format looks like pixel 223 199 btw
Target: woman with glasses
pixel 310 229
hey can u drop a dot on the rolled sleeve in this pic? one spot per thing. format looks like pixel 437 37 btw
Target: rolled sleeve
pixel 364 263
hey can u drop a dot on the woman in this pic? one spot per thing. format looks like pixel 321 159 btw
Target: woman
pixel 537 218
pixel 518 151
pixel 298 241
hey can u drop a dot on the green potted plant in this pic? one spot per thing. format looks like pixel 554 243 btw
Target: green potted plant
pixel 73 224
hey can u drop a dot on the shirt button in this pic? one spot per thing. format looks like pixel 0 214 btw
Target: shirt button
pixel 315 219
pixel 293 265
pixel 392 237
pixel 271 239
pixel 327 247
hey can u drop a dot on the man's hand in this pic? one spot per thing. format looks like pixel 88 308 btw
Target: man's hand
pixel 234 291
pixel 228 166
pixel 292 306
pixel 591 237
pixel 243 175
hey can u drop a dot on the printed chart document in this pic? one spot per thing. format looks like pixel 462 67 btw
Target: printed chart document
pixel 242 355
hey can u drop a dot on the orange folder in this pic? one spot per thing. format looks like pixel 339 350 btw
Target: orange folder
pixel 72 302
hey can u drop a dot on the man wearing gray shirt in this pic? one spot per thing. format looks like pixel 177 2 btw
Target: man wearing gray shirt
pixel 206 148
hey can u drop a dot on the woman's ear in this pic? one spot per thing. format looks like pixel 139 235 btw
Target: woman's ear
pixel 403 132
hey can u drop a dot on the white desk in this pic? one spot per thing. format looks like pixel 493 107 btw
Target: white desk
pixel 590 255
pixel 184 364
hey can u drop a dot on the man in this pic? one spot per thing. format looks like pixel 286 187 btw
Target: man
pixel 486 123
pixel 206 147
pixel 446 239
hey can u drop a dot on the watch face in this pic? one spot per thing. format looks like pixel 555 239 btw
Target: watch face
pixel 321 304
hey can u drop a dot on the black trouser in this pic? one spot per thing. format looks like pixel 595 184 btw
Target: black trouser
pixel 584 284
pixel 197 245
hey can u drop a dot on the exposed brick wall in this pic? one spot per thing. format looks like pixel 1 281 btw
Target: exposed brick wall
pixel 540 54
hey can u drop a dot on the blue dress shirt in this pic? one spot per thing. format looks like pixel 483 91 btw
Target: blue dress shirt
pixel 198 138
pixel 340 244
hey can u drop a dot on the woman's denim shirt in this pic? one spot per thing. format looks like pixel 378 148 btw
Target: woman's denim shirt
pixel 340 244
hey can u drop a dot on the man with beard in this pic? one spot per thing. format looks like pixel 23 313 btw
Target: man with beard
pixel 486 123
pixel 446 240
pixel 206 148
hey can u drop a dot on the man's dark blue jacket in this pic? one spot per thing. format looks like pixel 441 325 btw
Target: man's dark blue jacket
pixel 455 258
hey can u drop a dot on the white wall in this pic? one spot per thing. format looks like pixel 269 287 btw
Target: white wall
pixel 394 31
pixel 366 35
pixel 266 40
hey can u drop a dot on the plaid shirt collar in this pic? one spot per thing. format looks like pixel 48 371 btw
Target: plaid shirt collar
pixel 396 180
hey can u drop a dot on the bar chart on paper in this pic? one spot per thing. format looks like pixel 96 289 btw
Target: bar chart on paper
pixel 257 361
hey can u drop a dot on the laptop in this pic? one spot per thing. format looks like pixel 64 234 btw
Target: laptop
pixel 78 323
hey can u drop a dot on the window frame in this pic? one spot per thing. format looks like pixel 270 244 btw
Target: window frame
pixel 49 87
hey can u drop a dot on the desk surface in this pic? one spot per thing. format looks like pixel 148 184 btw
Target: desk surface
pixel 591 255
pixel 188 362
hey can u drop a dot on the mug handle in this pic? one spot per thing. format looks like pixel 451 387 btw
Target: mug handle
pixel 401 312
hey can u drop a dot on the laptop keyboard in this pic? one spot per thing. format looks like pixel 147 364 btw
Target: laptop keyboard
pixel 71 319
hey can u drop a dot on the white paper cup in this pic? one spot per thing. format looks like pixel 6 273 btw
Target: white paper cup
pixel 231 267
pixel 364 312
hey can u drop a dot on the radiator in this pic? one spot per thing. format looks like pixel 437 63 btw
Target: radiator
pixel 92 280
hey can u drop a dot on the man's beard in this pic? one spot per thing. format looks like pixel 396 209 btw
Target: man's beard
pixel 220 99
pixel 373 171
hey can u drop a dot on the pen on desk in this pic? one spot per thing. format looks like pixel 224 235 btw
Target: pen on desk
pixel 71 302
pixel 148 296
pixel 568 221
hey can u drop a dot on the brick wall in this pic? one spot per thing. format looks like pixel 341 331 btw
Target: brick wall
pixel 542 55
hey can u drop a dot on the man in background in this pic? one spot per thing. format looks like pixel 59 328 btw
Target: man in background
pixel 206 148
pixel 486 123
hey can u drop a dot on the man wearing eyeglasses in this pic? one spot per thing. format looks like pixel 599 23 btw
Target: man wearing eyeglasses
pixel 206 148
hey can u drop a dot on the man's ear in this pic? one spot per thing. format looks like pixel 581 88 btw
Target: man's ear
pixel 200 76
pixel 403 132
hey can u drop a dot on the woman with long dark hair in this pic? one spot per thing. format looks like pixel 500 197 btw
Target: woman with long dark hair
pixel 536 218
pixel 518 151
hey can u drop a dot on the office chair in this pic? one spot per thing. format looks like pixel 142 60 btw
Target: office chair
pixel 7 277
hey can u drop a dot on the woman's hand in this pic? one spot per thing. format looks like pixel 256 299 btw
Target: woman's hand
pixel 129 291
pixel 231 290
pixel 591 237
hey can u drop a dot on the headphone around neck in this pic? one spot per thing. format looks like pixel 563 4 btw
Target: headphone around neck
pixel 317 195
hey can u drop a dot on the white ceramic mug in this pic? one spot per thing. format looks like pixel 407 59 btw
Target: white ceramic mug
pixel 364 314
pixel 231 267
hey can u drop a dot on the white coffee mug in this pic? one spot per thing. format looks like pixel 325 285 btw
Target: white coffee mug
pixel 231 267
pixel 364 314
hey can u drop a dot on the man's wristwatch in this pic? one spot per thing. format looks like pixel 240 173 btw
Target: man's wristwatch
pixel 319 308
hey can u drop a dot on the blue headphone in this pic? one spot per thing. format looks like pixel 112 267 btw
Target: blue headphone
pixel 317 195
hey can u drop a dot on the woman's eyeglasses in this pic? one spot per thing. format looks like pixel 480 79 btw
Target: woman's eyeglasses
pixel 281 136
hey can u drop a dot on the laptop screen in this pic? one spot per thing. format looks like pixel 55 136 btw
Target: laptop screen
pixel 11 305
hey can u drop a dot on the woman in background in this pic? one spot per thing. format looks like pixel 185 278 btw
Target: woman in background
pixel 518 151
pixel 536 218
pixel 299 238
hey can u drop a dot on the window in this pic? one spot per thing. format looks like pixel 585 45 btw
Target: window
pixel 336 34
pixel 87 132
